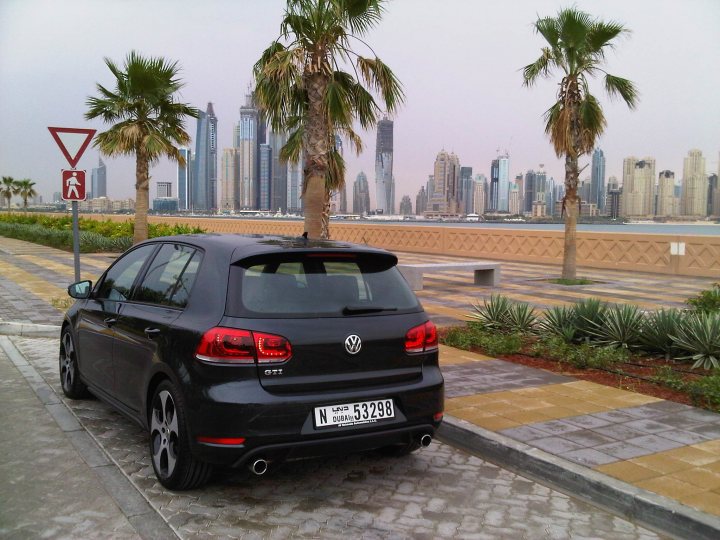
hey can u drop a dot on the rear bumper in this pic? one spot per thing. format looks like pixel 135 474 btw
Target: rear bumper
pixel 344 444
pixel 277 427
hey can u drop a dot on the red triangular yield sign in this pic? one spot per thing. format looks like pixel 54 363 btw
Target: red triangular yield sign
pixel 71 140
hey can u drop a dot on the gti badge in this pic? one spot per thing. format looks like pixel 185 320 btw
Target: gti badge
pixel 353 344
pixel 274 371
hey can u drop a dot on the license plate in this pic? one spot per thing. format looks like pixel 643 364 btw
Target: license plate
pixel 354 414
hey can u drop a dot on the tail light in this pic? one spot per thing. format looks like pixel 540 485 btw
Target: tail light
pixel 234 346
pixel 422 338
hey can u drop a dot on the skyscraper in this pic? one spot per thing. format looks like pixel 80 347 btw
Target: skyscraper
pixel 98 185
pixel 597 180
pixel 361 195
pixel 694 185
pixel 384 188
pixel 184 174
pixel 294 186
pixel 667 203
pixel 480 195
pixel 230 180
pixel 713 204
pixel 204 177
pixel 638 193
pixel 421 200
pixel 245 139
pixel 504 183
pixel 529 196
pixel 444 199
pixel 264 177
pixel 279 171
pixel 405 206
pixel 466 190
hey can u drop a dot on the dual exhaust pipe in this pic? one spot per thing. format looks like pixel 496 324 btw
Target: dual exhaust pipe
pixel 260 466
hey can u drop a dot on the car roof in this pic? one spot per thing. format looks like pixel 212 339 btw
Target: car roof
pixel 240 246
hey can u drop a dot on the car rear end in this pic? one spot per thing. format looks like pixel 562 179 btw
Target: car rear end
pixel 321 350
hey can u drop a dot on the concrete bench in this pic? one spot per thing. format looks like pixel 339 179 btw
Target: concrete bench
pixel 486 272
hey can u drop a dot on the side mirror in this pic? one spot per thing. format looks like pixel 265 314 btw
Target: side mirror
pixel 81 289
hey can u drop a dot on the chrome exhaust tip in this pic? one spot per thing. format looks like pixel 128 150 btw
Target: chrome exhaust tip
pixel 259 467
pixel 425 440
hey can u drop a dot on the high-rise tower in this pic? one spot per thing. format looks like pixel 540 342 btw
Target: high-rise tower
pixel 446 184
pixel 184 174
pixel 597 180
pixel 279 171
pixel 694 185
pixel 384 188
pixel 361 195
pixel 204 177
pixel 245 140
pixel 98 185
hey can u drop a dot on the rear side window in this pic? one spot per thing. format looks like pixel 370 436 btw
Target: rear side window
pixel 315 285
pixel 119 280
pixel 169 277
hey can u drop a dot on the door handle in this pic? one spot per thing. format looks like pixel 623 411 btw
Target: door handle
pixel 110 321
pixel 152 332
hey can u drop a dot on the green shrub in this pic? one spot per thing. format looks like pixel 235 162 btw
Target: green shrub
pixel 706 391
pixel 553 348
pixel 474 336
pixel 493 314
pixel 560 322
pixel 620 327
pixel 521 317
pixel 698 339
pixel 658 329
pixel 707 301
pixel 588 316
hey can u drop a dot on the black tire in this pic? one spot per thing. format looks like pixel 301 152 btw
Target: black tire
pixel 69 369
pixel 174 464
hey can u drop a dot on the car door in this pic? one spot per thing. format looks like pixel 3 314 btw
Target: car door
pixel 97 318
pixel 143 332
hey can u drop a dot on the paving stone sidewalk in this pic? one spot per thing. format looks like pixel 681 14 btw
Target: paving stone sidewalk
pixel 47 491
pixel 657 447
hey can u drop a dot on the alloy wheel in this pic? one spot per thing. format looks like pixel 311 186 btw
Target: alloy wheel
pixel 164 433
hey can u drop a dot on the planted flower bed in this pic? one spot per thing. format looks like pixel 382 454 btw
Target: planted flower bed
pixel 95 235
pixel 672 354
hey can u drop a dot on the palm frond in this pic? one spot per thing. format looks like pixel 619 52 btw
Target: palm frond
pixel 623 87
pixel 381 78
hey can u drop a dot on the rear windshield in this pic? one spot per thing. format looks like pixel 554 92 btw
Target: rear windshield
pixel 317 285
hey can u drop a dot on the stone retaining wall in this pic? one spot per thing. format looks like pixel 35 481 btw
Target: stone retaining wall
pixel 658 253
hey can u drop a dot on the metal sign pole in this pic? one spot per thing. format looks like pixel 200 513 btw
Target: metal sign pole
pixel 76 240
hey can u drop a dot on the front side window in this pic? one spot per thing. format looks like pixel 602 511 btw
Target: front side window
pixel 119 280
pixel 318 285
pixel 169 277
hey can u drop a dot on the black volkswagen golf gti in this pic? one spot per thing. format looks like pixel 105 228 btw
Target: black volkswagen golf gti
pixel 242 350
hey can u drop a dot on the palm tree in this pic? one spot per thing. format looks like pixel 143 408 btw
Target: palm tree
pixel 26 190
pixel 301 88
pixel 148 121
pixel 8 188
pixel 576 46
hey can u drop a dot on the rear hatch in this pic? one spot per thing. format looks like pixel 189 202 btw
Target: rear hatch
pixel 341 317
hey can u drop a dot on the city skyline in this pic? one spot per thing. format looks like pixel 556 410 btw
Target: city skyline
pixel 477 110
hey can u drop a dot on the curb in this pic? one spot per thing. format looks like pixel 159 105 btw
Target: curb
pixel 29 330
pixel 656 512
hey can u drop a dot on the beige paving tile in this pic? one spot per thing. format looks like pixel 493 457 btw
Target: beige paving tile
pixel 627 471
pixel 705 479
pixel 707 501
pixel 693 456
pixel 661 463
pixel 669 487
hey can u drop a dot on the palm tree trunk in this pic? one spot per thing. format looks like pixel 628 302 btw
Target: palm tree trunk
pixel 571 209
pixel 325 221
pixel 315 145
pixel 142 196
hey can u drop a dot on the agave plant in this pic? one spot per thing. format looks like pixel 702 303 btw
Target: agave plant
pixel 588 316
pixel 560 322
pixel 658 329
pixel 494 313
pixel 620 327
pixel 698 339
pixel 521 317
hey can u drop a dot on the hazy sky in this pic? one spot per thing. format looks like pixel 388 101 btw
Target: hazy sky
pixel 459 61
